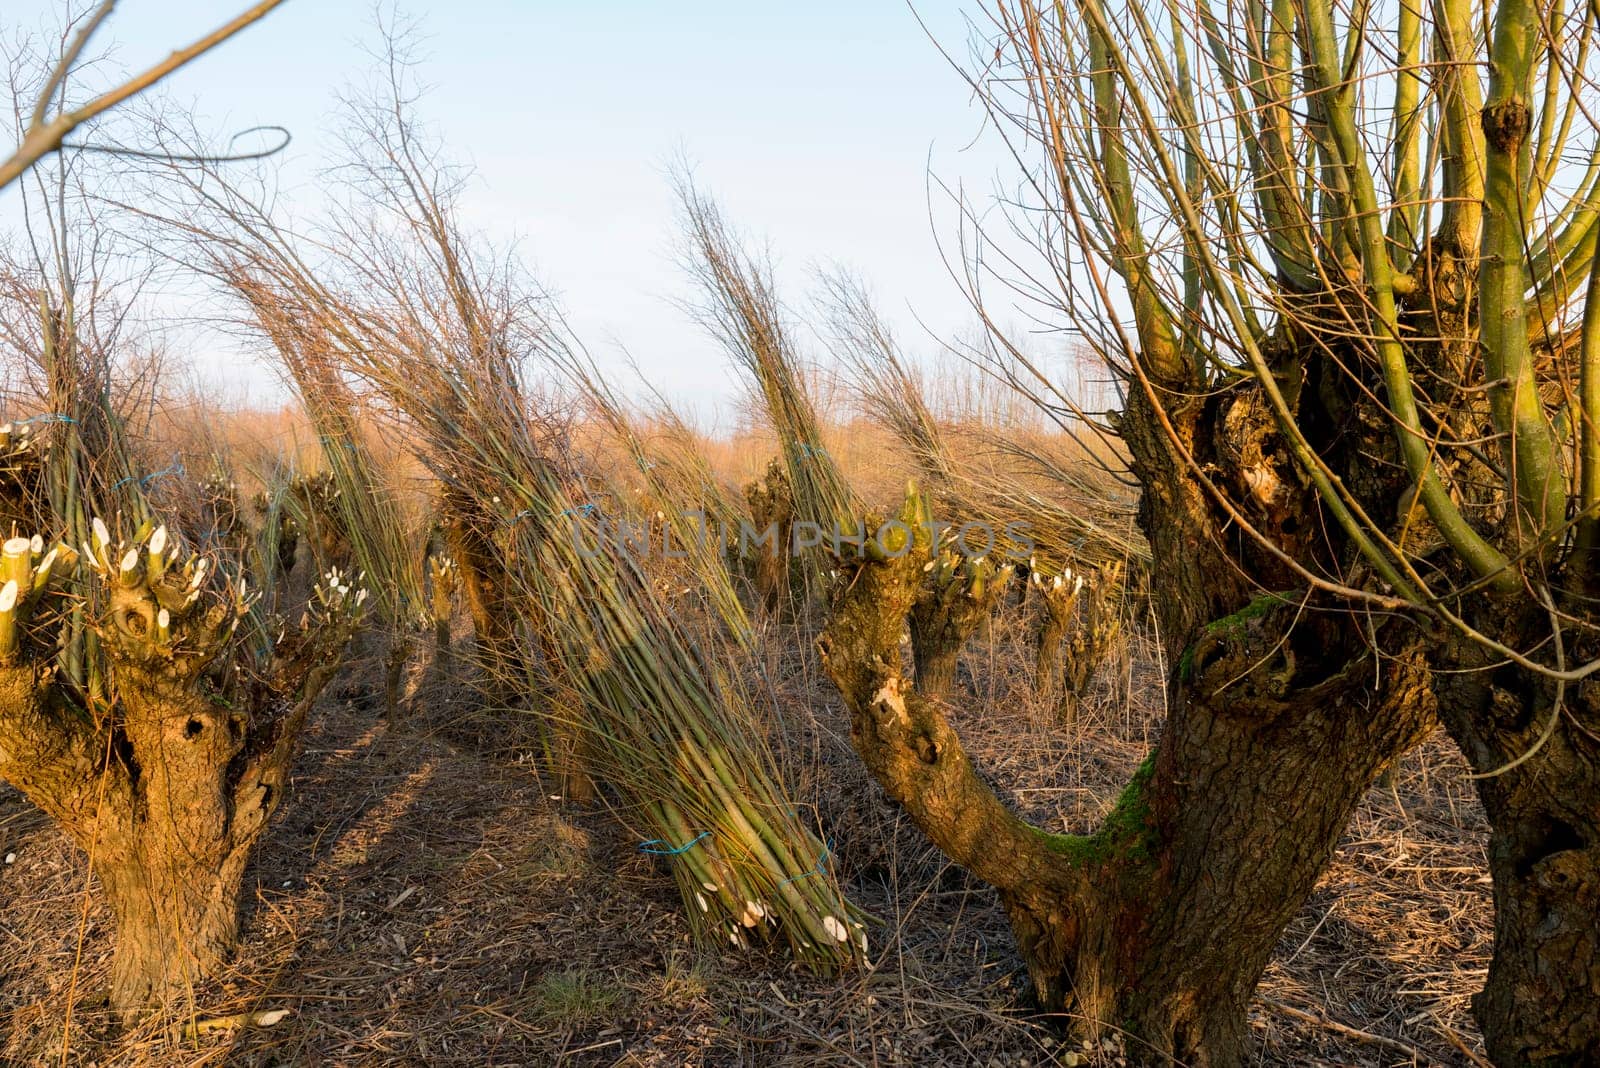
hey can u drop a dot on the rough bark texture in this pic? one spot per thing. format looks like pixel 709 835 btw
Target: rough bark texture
pixel 1160 923
pixel 167 796
pixel 771 502
pixel 168 820
pixel 1541 1003
pixel 171 861
pixel 949 610
pixel 1079 625
pixel 487 589
pixel 1049 645
pixel 52 754
pixel 936 659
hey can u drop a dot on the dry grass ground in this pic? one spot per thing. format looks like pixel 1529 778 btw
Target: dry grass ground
pixel 424 900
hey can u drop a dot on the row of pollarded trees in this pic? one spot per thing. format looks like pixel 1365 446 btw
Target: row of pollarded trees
pixel 1342 258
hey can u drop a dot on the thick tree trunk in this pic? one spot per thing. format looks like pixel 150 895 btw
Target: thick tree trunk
pixel 171 862
pixel 1541 1002
pixel 771 502
pixel 165 835
pixel 168 828
pixel 176 912
pixel 1216 847
pixel 1160 923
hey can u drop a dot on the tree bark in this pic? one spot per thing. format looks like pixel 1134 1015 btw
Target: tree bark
pixel 165 835
pixel 1159 924
pixel 176 914
pixel 771 502
pixel 487 589
pixel 1051 684
pixel 959 596
pixel 172 861
pixel 935 662
pixel 167 800
pixel 1541 1002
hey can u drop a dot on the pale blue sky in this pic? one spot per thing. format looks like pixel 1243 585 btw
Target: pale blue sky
pixel 816 124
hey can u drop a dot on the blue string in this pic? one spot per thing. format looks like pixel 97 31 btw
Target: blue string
pixel 809 450
pixel 47 417
pixel 820 869
pixel 175 469
pixel 671 851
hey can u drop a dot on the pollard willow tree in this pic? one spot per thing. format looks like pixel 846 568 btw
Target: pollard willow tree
pixel 151 698
pixel 1342 257
pixel 150 704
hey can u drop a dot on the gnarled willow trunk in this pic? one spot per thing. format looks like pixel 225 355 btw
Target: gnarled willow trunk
pixel 771 502
pixel 486 586
pixel 1538 746
pixel 958 597
pixel 1079 624
pixel 1160 923
pixel 168 821
pixel 173 889
pixel 171 788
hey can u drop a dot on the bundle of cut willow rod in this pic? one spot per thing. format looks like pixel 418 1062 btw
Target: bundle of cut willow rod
pixel 1083 523
pixel 670 732
pixel 676 449
pixel 386 550
pixel 695 530
pixel 742 312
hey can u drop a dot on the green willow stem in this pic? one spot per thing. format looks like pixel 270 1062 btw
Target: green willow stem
pixel 1514 401
pixel 1479 555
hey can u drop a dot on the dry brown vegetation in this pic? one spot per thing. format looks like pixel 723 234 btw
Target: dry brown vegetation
pixel 426 899
pixel 1154 777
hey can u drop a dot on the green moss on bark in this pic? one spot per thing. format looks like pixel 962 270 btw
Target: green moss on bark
pixel 1230 623
pixel 1125 833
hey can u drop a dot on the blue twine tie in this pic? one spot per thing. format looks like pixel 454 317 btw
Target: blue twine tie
pixel 820 869
pixel 175 469
pixel 671 851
